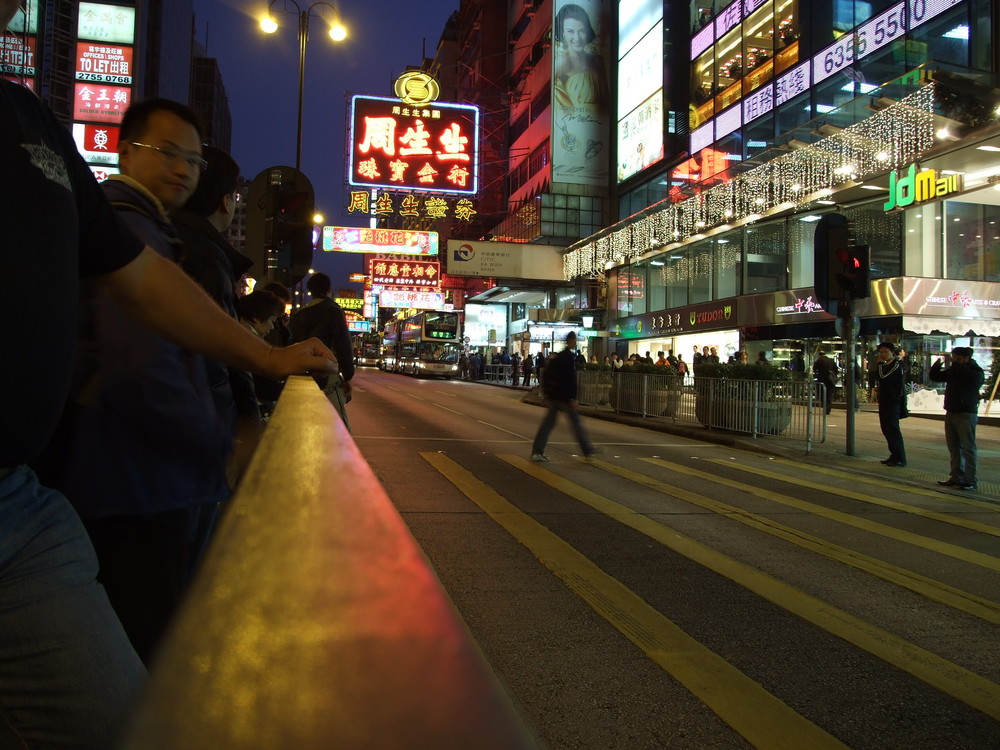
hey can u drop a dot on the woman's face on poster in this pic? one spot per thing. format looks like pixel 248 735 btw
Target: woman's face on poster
pixel 575 34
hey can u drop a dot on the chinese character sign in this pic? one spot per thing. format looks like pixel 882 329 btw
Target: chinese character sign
pixel 405 274
pixel 433 148
pixel 386 241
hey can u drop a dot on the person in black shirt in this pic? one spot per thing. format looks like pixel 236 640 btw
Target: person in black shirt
pixel 891 395
pixel 559 386
pixel 963 378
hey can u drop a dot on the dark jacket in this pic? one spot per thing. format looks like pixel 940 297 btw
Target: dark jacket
pixel 141 433
pixel 324 319
pixel 825 370
pixel 560 376
pixel 217 266
pixel 889 379
pixel 964 381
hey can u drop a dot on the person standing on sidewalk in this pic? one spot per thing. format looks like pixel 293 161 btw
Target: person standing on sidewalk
pixel 964 378
pixel 891 393
pixel 560 392
pixel 825 372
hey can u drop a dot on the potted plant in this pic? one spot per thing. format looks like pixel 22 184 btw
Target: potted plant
pixel 593 383
pixel 744 397
pixel 649 390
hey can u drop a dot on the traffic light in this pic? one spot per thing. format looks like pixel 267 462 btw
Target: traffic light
pixel 855 279
pixel 830 243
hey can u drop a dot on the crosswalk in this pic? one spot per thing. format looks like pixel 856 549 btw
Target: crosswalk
pixel 865 524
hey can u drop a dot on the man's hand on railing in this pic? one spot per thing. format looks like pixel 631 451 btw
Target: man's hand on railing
pixel 311 356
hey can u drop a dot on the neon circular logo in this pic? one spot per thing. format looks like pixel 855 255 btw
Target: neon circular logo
pixel 417 88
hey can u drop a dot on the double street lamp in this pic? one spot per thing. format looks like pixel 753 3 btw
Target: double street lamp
pixel 337 33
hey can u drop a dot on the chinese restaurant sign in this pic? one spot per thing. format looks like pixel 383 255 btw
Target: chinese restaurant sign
pixel 416 300
pixel 432 148
pixel 405 274
pixel 383 241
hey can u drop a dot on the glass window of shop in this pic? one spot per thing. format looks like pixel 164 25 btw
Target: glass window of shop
pixel 801 250
pixel 700 270
pixel 674 277
pixel 656 292
pixel 703 89
pixel 883 65
pixel 766 258
pixel 758 48
pixel 643 195
pixel 728 265
pixel 792 114
pixel 730 66
pixel 882 232
pixel 945 39
pixel 830 94
pixel 632 289
pixel 971 240
pixel 758 136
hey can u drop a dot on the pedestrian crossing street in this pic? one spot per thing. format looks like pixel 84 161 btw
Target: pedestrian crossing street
pixel 911 542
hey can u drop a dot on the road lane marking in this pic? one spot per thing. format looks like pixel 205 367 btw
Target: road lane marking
pixel 908 537
pixel 760 717
pixel 461 414
pixel 889 484
pixel 965 523
pixel 927 587
pixel 939 673
pixel 495 427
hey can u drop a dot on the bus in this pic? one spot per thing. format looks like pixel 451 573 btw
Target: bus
pixel 428 343
pixel 367 350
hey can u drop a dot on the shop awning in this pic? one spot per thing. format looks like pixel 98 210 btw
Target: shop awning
pixel 952 326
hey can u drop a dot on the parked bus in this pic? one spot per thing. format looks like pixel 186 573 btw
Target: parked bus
pixel 367 349
pixel 428 343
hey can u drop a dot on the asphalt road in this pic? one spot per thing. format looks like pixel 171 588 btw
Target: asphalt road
pixel 681 594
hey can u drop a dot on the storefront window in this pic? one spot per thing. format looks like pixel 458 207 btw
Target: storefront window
pixel 883 233
pixel 766 258
pixel 728 265
pixel 656 292
pixel 971 241
pixel 632 290
pixel 801 250
pixel 703 88
pixel 730 66
pixel 700 280
pixel 944 39
pixel 674 274
pixel 922 230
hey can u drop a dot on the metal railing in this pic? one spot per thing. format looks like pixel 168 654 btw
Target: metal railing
pixel 315 621
pixel 787 409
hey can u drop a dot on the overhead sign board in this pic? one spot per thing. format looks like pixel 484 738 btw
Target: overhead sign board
pixel 382 241
pixel 506 259
pixel 431 148
pixel 408 274
pixel 414 299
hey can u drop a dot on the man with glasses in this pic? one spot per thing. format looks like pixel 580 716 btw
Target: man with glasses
pixel 141 451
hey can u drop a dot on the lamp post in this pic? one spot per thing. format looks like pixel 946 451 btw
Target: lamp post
pixel 337 33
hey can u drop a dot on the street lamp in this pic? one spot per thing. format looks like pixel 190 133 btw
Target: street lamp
pixel 337 33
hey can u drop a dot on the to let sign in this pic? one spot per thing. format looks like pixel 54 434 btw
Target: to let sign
pixel 432 148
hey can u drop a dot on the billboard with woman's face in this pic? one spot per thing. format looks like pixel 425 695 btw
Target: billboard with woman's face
pixel 581 108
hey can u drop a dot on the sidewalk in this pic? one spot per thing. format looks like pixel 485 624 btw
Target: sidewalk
pixel 926 453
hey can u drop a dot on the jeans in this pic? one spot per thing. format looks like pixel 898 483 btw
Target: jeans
pixel 888 420
pixel 960 434
pixel 545 428
pixel 68 674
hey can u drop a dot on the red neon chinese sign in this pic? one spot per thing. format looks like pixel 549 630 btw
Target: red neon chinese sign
pixel 405 274
pixel 432 148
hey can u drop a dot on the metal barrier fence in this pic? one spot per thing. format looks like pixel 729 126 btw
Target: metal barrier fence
pixel 788 409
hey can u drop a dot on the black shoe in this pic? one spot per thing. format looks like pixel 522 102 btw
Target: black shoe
pixel 949 483
pixel 886 461
pixel 894 463
pixel 967 486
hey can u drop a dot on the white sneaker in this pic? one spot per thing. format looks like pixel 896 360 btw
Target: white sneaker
pixel 539 457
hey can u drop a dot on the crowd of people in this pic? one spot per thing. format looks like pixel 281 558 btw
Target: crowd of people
pixel 130 392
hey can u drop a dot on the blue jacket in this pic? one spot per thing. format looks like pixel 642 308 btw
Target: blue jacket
pixel 141 433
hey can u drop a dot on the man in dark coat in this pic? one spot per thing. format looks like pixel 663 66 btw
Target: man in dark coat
pixel 891 392
pixel 964 379
pixel 324 319
pixel 560 391
pixel 217 267
pixel 825 372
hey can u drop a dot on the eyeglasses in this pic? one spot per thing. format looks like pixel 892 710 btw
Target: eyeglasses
pixel 171 155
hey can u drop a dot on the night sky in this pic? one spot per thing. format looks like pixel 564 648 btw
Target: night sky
pixel 261 72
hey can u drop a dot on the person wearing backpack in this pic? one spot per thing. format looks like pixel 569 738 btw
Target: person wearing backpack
pixel 559 387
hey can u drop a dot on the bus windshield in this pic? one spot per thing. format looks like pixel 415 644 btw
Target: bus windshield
pixel 434 351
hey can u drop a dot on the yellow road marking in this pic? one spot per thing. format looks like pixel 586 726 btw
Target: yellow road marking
pixel 888 484
pixel 950 550
pixel 760 717
pixel 982 528
pixel 941 674
pixel 926 587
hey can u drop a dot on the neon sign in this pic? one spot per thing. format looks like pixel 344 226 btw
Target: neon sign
pixel 405 274
pixel 917 187
pixel 432 148
pixel 386 241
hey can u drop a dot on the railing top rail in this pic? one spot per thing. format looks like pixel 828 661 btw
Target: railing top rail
pixel 316 621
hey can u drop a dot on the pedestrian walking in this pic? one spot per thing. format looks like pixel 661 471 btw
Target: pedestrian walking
pixel 891 400
pixel 963 378
pixel 560 392
pixel 825 372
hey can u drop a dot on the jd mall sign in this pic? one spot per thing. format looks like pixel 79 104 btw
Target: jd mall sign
pixel 917 187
